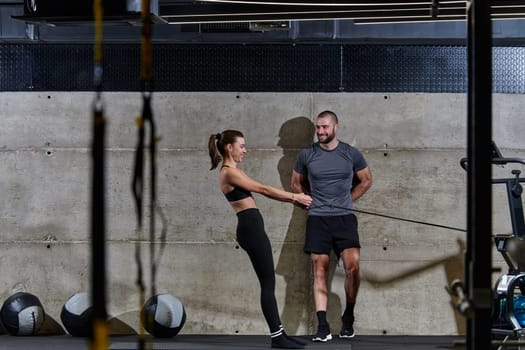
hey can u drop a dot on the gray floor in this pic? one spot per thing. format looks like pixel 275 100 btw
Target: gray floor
pixel 233 342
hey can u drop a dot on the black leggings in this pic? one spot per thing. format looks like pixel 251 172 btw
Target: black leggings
pixel 252 238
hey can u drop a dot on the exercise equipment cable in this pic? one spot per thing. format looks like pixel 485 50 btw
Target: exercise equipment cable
pixel 410 220
pixel 392 217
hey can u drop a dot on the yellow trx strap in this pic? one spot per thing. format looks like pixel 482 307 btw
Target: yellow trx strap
pixel 147 59
pixel 147 121
pixel 100 335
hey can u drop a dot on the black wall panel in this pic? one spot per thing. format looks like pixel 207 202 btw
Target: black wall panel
pixel 247 68
pixel 369 68
pixel 256 67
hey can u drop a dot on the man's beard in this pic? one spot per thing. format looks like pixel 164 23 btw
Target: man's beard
pixel 329 138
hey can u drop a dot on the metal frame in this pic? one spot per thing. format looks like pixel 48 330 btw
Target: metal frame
pixel 478 262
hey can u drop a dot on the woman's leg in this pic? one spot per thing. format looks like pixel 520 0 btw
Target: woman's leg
pixel 253 239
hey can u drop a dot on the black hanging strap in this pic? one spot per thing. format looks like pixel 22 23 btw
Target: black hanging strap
pixel 100 334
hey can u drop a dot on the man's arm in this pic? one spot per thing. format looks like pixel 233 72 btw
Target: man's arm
pixel 365 182
pixel 299 183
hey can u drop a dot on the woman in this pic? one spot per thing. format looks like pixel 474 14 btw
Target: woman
pixel 229 147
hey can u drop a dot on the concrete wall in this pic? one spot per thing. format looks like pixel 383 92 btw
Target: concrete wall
pixel 413 143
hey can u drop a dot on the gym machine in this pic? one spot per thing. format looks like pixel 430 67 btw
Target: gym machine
pixel 508 311
pixel 508 295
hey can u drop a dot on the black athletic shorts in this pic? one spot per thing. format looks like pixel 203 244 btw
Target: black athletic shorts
pixel 324 233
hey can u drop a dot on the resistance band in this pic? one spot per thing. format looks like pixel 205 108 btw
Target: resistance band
pixel 393 217
pixel 410 220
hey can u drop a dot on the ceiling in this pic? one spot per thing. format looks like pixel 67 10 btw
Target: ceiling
pixel 360 11
pixel 246 20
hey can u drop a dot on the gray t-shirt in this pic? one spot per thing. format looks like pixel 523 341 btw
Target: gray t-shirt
pixel 330 175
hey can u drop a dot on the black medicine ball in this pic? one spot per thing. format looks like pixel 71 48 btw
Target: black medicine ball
pixel 163 316
pixel 22 314
pixel 77 315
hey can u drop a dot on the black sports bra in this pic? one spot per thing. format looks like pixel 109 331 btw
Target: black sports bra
pixel 237 194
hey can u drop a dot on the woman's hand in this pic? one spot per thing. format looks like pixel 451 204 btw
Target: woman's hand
pixel 303 200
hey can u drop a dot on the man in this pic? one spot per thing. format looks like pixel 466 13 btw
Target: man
pixel 326 171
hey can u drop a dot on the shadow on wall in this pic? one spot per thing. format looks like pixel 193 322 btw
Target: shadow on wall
pixel 294 264
pixel 51 327
pixel 116 327
pixel 454 269
pixel 119 327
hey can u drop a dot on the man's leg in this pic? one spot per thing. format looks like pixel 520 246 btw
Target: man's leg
pixel 320 266
pixel 350 257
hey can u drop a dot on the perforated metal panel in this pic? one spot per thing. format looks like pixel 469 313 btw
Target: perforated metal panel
pixel 257 67
pixel 66 68
pixel 389 68
pixel 247 68
pixel 509 70
pixel 122 67
pixel 16 68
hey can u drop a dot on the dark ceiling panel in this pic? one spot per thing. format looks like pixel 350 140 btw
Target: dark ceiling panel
pixel 186 12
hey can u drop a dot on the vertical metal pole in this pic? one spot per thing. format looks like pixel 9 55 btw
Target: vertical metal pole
pixel 479 193
pixel 98 240
pixel 100 331
pixel 468 252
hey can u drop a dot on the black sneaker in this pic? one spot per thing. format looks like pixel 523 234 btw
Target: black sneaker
pixel 347 333
pixel 323 335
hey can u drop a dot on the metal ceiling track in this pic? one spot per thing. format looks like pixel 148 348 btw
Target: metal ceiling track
pixel 246 11
pixel 360 11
